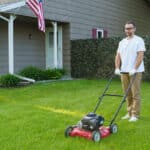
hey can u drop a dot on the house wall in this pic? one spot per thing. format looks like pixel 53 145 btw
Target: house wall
pixel 80 16
pixel 26 51
pixel 83 15
pixel 29 46
pixel 66 48
pixel 3 47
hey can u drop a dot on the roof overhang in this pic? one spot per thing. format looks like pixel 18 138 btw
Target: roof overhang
pixel 10 6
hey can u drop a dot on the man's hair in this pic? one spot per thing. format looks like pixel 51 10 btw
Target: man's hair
pixel 131 22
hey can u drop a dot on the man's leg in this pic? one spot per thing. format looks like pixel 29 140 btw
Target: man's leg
pixel 125 78
pixel 135 88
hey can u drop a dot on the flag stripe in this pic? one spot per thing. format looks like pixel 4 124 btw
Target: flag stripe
pixel 34 10
pixel 34 6
pixel 37 7
pixel 41 17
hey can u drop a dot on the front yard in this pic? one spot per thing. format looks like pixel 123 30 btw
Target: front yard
pixel 35 117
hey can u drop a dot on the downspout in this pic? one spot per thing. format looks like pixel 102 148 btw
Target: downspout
pixel 24 78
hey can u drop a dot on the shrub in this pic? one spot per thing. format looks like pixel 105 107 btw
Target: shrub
pixel 39 74
pixel 62 71
pixel 52 74
pixel 9 80
pixel 32 72
pixel 95 58
pixel 147 58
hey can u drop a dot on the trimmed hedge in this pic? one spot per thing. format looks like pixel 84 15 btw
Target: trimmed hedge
pixel 32 72
pixel 9 80
pixel 39 74
pixel 52 74
pixel 95 58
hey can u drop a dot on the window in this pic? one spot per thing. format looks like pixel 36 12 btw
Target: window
pixel 99 33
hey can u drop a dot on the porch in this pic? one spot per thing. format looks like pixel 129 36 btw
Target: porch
pixel 22 44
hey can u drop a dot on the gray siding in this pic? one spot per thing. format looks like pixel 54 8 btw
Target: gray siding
pixel 66 48
pixel 3 47
pixel 28 51
pixel 78 17
pixel 84 15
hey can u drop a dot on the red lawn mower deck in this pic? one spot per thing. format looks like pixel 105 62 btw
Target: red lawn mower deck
pixel 96 136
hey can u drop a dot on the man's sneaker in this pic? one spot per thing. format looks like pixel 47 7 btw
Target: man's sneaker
pixel 133 119
pixel 125 117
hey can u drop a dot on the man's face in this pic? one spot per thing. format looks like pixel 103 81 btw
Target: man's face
pixel 129 29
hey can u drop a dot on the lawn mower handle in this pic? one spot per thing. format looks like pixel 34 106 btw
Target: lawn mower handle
pixel 123 96
pixel 123 99
pixel 103 94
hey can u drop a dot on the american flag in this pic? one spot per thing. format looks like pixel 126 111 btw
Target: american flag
pixel 37 8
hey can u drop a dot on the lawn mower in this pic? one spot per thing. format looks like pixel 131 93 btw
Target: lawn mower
pixel 92 126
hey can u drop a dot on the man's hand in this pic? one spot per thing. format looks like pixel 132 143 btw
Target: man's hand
pixel 117 71
pixel 132 72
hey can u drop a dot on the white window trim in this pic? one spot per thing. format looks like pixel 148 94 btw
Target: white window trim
pixel 56 47
pixel 100 30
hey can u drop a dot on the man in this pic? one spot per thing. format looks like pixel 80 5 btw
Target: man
pixel 129 61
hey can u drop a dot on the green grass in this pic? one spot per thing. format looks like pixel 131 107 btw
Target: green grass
pixel 35 117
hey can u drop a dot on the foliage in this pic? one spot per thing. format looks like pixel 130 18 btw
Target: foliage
pixel 147 58
pixel 95 58
pixel 9 80
pixel 40 74
pixel 32 72
pixel 52 74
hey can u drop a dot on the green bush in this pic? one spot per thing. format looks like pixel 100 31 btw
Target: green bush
pixel 95 58
pixel 62 71
pixel 147 59
pixel 32 72
pixel 52 74
pixel 39 74
pixel 9 80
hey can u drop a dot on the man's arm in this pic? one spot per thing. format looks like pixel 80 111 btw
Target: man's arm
pixel 117 61
pixel 139 59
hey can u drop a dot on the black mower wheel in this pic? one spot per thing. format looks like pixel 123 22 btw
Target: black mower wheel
pixel 68 131
pixel 96 136
pixel 114 128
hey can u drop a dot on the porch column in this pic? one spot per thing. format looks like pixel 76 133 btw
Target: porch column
pixel 11 43
pixel 55 44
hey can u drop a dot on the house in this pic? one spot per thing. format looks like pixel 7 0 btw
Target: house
pixel 22 44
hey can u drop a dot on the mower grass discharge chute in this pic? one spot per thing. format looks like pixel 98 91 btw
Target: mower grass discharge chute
pixel 92 126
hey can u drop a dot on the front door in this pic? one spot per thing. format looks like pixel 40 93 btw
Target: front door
pixel 50 48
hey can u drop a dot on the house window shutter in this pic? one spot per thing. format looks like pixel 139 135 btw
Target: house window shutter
pixel 99 33
pixel 94 33
pixel 105 34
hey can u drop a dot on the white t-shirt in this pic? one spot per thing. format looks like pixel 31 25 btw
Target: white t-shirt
pixel 128 49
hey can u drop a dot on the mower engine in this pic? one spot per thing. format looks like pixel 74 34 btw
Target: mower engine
pixel 91 122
